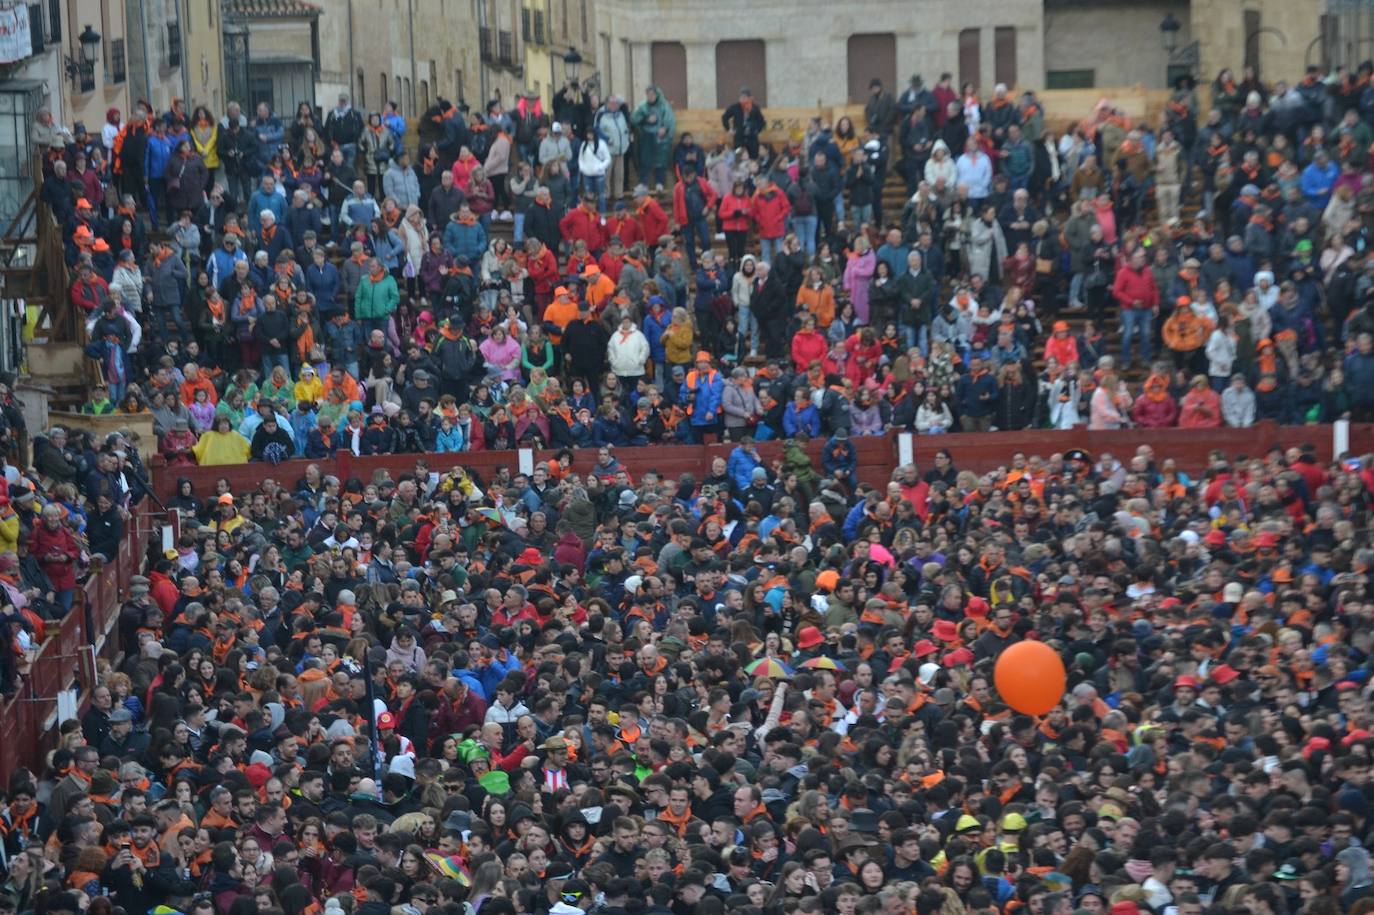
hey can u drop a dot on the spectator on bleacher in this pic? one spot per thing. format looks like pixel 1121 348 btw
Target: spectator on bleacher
pixel 654 125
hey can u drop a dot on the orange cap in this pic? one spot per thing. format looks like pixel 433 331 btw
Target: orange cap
pixel 1183 301
pixel 561 292
pixel 703 356
pixel 101 245
pixel 590 270
pixel 84 204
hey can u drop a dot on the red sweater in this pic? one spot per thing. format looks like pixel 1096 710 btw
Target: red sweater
pixel 1131 286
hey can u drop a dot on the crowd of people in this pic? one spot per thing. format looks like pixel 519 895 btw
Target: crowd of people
pixel 768 688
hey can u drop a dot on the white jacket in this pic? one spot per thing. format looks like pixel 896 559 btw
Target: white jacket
pixel 627 353
pixel 593 161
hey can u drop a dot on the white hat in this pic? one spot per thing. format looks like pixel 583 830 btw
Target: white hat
pixel 633 583
pixel 1232 593
pixel 403 765
pixel 557 127
pixel 927 672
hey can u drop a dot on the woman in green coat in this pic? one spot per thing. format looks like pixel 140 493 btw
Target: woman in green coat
pixel 654 123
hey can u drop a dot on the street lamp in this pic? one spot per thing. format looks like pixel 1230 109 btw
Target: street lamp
pixel 82 71
pixel 1168 32
pixel 572 62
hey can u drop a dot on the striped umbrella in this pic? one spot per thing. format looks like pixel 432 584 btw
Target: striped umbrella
pixel 449 866
pixel 822 663
pixel 769 667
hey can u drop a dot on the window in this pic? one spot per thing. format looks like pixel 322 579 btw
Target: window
pixel 383 87
pixel 1252 39
pixel 1004 55
pixel 1070 79
pixel 585 28
pixel 36 30
pixel 400 95
pixel 424 95
pixel 115 63
pixel 741 64
pixel 668 69
pixel 565 18
pixel 525 29
pixel 54 21
pixel 210 12
pixel 970 56
pixel 405 99
pixel 173 44
pixel 360 94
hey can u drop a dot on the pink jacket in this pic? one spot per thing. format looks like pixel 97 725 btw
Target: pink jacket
pixel 1105 414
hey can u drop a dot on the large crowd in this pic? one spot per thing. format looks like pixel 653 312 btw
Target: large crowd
pixel 766 688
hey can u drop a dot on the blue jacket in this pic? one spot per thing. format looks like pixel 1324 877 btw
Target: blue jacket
pixel 741 466
pixel 839 456
pixel 156 156
pixel 269 134
pixel 344 342
pixel 807 419
pixel 465 240
pixel 1317 183
pixel 221 265
pixel 654 326
pixel 273 201
pixel 705 408
pixel 484 680
pixel 977 397
pixel 452 440
pixel 302 424
pixel 708 289
pixel 323 284
pixel 1359 379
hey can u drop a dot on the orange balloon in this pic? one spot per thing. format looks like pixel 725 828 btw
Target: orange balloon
pixel 1030 677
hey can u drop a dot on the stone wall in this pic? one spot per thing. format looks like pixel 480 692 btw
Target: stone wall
pixel 1220 27
pixel 807 41
pixel 1120 43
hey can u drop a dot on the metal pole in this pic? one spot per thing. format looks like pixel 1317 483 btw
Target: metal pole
pixel 185 59
pixel 414 79
pixel 352 69
pixel 147 74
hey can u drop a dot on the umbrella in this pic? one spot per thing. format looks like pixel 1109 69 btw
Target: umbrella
pixel 449 866
pixel 822 663
pixel 769 667
pixel 491 514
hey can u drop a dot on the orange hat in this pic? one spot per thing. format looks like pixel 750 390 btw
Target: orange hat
pixel 828 579
pixel 84 232
pixel 84 204
pixel 101 245
pixel 703 356
pixel 226 499
pixel 1060 326
pixel 561 292
pixel 1183 301
pixel 809 637
pixel 590 270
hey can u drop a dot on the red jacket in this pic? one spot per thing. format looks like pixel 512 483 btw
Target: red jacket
pixel 708 193
pixel 770 212
pixel 1131 286
pixel 90 295
pixel 611 265
pixel 625 228
pixel 736 213
pixel 653 222
pixel 1200 410
pixel 543 271
pixel 808 346
pixel 62 573
pixel 584 224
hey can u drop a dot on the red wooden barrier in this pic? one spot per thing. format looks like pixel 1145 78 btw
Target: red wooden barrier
pixel 58 663
pixel 979 452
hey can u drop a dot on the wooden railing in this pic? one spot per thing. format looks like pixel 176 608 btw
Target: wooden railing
pixel 877 455
pixel 28 719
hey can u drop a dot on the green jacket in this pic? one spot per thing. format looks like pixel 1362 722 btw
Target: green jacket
pixel 646 120
pixel 376 300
